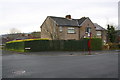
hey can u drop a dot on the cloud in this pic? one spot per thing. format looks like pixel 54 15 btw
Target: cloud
pixel 28 15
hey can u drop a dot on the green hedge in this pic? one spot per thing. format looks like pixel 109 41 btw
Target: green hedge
pixel 16 46
pixel 54 45
pixel 96 44
pixel 37 45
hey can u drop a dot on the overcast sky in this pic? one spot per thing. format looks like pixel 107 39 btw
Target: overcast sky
pixel 28 15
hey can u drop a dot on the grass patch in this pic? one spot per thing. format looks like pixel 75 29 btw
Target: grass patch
pixel 15 50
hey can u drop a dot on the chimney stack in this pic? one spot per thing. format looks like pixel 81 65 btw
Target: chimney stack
pixel 68 16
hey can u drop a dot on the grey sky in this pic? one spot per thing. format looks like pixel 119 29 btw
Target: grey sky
pixel 119 15
pixel 28 15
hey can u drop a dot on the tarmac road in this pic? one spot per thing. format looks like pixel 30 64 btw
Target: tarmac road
pixel 103 65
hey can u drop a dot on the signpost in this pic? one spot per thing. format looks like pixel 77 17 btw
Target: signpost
pixel 89 43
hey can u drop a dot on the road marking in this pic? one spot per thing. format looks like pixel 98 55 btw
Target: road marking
pixel 19 72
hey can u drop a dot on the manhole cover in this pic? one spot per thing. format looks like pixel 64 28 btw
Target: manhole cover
pixel 19 72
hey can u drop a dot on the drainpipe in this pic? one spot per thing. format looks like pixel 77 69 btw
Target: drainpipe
pixel 79 33
pixel 78 30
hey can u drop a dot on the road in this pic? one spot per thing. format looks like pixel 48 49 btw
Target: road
pixel 21 65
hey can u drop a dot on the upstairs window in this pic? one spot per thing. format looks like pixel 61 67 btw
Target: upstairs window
pixel 88 29
pixel 60 29
pixel 71 30
pixel 98 33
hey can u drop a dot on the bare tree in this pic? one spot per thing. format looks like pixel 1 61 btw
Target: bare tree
pixel 51 30
pixel 14 30
pixel 36 34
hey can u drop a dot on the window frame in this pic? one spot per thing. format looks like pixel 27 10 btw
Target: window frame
pixel 71 30
pixel 99 34
pixel 60 28
pixel 88 30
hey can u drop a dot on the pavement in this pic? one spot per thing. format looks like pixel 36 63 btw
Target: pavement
pixel 101 64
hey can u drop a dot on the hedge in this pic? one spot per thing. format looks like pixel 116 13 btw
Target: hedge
pixel 96 44
pixel 54 45
pixel 16 46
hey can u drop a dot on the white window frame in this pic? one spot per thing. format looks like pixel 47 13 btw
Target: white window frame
pixel 71 30
pixel 99 33
pixel 60 28
pixel 89 30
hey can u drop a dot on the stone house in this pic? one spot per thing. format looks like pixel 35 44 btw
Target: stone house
pixel 118 36
pixel 101 32
pixel 60 28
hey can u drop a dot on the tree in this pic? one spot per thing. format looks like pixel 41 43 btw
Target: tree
pixel 35 34
pixel 51 30
pixel 111 33
pixel 14 30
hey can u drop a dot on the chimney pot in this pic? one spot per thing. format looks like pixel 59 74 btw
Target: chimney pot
pixel 68 16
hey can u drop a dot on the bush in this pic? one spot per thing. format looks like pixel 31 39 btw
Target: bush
pixel 114 46
pixel 20 45
pixel 96 43
pixel 27 40
pixel 16 46
pixel 35 45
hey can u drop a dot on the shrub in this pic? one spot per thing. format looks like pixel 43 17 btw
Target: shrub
pixel 114 46
pixel 35 45
pixel 20 45
pixel 96 43
pixel 16 46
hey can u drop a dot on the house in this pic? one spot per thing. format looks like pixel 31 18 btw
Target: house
pixel 118 36
pixel 60 28
pixel 101 32
pixel 66 28
pixel 35 34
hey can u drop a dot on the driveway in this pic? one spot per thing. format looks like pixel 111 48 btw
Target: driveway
pixel 37 65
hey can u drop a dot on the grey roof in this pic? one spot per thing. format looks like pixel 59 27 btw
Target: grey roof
pixel 80 21
pixel 98 27
pixel 68 22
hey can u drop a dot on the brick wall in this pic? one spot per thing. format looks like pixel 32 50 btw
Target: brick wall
pixel 85 24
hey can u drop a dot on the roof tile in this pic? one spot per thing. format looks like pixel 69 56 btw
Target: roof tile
pixel 68 22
